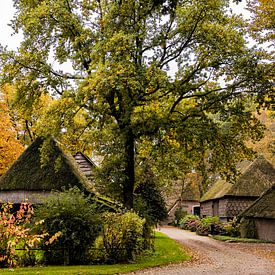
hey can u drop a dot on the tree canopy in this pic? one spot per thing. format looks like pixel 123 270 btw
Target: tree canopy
pixel 169 83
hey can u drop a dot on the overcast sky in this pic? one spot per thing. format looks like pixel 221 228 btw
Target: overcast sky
pixel 6 14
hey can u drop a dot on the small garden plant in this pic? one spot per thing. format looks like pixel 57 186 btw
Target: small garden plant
pixel 189 222
pixel 17 239
pixel 210 225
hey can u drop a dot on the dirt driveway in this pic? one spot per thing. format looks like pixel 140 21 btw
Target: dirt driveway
pixel 215 257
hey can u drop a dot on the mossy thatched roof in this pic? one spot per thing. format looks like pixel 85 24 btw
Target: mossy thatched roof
pixel 218 190
pixel 191 192
pixel 59 171
pixel 264 207
pixel 255 178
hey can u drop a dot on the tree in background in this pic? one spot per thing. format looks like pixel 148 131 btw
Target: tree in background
pixel 169 81
pixel 266 146
pixel 263 20
pixel 261 27
pixel 10 146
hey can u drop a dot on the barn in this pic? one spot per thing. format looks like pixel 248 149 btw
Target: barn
pixel 29 179
pixel 227 200
pixel 262 214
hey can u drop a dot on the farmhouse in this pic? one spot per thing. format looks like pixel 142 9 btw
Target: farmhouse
pixel 262 213
pixel 227 200
pixel 29 179
pixel 183 197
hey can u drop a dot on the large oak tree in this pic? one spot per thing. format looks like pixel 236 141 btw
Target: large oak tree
pixel 165 82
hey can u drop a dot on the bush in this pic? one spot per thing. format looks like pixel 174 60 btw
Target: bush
pixel 16 233
pixel 30 257
pixel 179 214
pixel 209 225
pixel 248 229
pixel 149 202
pixel 231 228
pixel 189 222
pixel 71 213
pixel 122 238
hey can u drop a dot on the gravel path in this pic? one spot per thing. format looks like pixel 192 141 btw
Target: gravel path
pixel 215 257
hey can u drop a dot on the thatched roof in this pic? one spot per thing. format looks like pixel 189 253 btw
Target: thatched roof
pixel 58 172
pixel 255 178
pixel 264 207
pixel 27 173
pixel 190 192
pixel 218 190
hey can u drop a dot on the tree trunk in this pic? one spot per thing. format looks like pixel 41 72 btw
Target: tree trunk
pixel 128 186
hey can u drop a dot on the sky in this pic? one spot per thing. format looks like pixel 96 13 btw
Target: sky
pixel 6 14
pixel 12 41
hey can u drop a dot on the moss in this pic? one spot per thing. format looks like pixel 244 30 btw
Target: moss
pixel 27 173
pixel 255 178
pixel 60 171
pixel 191 192
pixel 264 207
pixel 218 190
pixel 248 229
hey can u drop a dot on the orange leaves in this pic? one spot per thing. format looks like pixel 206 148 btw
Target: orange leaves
pixel 15 233
pixel 10 147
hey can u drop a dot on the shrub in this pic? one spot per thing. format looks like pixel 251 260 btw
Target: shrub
pixel 248 229
pixel 15 232
pixel 189 222
pixel 71 213
pixel 149 202
pixel 209 225
pixel 122 238
pixel 30 257
pixel 231 228
pixel 179 214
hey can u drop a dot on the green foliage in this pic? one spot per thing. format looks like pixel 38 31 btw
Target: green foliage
pixel 231 228
pixel 73 214
pixel 209 225
pixel 120 97
pixel 149 202
pixel 30 257
pixel 180 214
pixel 166 251
pixel 16 233
pixel 122 238
pixel 248 228
pixel 189 222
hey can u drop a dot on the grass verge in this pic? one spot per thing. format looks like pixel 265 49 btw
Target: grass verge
pixel 166 251
pixel 238 240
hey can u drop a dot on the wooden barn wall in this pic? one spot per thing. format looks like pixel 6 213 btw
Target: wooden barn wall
pixel 265 229
pixel 85 167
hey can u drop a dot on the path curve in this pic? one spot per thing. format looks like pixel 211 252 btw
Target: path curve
pixel 215 257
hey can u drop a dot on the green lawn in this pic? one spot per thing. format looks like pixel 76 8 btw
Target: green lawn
pixel 166 251
pixel 238 240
